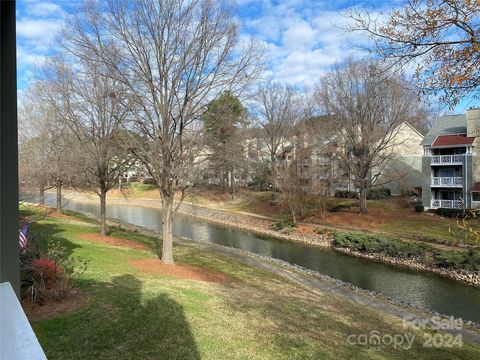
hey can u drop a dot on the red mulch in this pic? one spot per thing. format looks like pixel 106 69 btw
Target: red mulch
pixel 55 214
pixel 302 229
pixel 116 241
pixel 372 220
pixel 180 271
pixel 35 312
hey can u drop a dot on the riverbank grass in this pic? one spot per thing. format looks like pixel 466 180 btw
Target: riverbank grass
pixel 137 314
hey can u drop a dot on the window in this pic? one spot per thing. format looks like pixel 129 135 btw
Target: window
pixel 476 196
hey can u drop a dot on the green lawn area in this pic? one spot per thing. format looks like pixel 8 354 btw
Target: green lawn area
pixel 446 229
pixel 132 314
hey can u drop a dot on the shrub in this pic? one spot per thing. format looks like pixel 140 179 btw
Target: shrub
pixel 375 244
pixel 149 181
pixel 460 260
pixel 126 185
pixel 30 284
pixel 377 194
pixel 345 194
pixel 357 241
pixel 47 271
pixel 321 231
pixel 457 260
pixel 283 225
pixel 447 259
pixel 450 213
pixel 419 208
pixel 472 260
pixel 340 207
pixel 70 267
pixel 143 187
pixel 458 213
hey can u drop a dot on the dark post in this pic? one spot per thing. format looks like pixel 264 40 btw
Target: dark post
pixel 9 248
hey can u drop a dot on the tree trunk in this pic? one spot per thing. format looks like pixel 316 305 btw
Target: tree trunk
pixel 273 169
pixel 103 212
pixel 363 201
pixel 41 200
pixel 166 255
pixel 292 210
pixel 58 186
pixel 232 184
pixel 222 180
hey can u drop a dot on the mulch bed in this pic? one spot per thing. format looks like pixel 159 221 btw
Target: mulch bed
pixel 115 241
pixel 180 271
pixel 55 214
pixel 51 308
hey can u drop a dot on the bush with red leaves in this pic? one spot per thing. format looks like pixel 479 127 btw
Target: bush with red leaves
pixel 47 270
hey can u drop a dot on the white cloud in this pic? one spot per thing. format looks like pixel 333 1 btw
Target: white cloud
pixel 27 58
pixel 299 35
pixel 305 38
pixel 40 30
pixel 44 9
pixel 38 25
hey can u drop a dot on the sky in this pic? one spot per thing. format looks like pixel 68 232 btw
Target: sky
pixel 303 38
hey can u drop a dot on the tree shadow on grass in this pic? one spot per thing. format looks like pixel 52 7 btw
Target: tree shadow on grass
pixel 121 322
pixel 40 234
pixel 302 325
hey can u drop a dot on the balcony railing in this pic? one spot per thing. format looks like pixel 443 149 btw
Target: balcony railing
pixel 447 160
pixel 447 181
pixel 447 204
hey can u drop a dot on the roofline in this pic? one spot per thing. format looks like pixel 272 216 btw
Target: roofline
pixel 450 146
pixel 443 135
pixel 411 126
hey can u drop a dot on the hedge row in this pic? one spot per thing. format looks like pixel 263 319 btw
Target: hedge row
pixel 373 194
pixel 367 243
pixel 283 224
pixel 345 194
pixel 457 213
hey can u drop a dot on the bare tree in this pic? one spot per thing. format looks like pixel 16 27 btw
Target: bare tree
pixel 92 106
pixel 174 57
pixel 274 107
pixel 368 109
pixel 441 39
pixel 46 151
pixel 291 186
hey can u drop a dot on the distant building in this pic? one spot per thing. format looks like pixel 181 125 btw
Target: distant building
pixel 450 164
pixel 317 156
pixel 403 173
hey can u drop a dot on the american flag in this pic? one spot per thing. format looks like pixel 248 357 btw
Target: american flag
pixel 23 236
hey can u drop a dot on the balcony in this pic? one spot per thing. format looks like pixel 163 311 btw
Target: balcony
pixel 446 204
pixel 18 341
pixel 447 160
pixel 447 182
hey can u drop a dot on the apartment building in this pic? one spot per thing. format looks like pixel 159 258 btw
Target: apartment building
pixel 450 162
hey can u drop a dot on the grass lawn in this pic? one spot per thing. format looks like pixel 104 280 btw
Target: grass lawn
pixel 132 314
